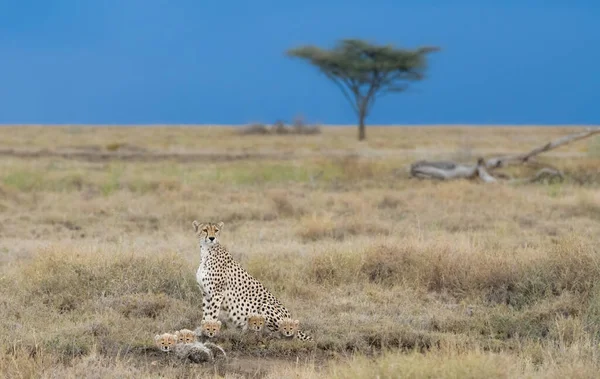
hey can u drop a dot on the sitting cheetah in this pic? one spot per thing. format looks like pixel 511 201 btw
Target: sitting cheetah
pixel 209 328
pixel 196 352
pixel 255 323
pixel 227 286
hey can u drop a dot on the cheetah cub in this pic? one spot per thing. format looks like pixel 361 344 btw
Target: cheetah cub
pixel 165 342
pixel 288 328
pixel 196 352
pixel 255 323
pixel 185 336
pixel 209 328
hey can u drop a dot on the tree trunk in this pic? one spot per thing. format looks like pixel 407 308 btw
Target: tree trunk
pixel 361 126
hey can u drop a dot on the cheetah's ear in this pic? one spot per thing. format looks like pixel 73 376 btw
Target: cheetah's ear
pixel 157 337
pixel 202 322
pixel 196 225
pixel 219 322
pixel 296 322
pixel 220 224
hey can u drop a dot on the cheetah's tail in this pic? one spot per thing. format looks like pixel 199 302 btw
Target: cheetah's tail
pixel 303 336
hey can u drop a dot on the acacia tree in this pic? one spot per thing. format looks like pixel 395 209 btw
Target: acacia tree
pixel 365 71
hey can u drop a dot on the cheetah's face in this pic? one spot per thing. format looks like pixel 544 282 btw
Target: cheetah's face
pixel 288 327
pixel 256 322
pixel 208 234
pixel 166 341
pixel 210 328
pixel 185 336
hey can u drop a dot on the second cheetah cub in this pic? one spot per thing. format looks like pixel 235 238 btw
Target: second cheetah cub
pixel 255 323
pixel 209 329
pixel 185 336
pixel 288 328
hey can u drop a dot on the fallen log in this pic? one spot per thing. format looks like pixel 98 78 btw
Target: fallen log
pixel 448 170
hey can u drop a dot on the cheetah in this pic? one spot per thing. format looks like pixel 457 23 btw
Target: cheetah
pixel 227 287
pixel 166 341
pixel 255 323
pixel 185 336
pixel 196 352
pixel 209 328
pixel 288 328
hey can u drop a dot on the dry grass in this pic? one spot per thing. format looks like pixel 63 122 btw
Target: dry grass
pixel 391 276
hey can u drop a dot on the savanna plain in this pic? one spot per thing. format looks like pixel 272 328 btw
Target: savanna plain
pixel 393 277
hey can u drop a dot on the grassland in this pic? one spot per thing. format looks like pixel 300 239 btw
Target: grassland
pixel 392 276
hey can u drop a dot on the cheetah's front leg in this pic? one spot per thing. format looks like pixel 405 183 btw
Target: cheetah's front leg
pixel 211 307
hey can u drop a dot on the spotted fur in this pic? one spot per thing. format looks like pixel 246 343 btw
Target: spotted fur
pixel 209 328
pixel 185 336
pixel 255 323
pixel 229 289
pixel 166 341
pixel 288 328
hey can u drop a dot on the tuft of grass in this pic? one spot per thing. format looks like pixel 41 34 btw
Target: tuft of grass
pixel 594 147
pixel 391 202
pixel 33 181
pixel 114 146
pixel 284 207
pixel 334 268
pixel 112 182
pixel 141 304
pixel 318 227
pixel 66 282
pixel 584 172
pixel 25 181
pixel 571 266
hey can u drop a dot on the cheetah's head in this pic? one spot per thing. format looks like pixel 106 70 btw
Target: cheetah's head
pixel 208 233
pixel 210 328
pixel 185 336
pixel 256 322
pixel 288 327
pixel 166 341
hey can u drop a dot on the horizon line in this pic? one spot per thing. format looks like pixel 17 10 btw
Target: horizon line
pixel 319 124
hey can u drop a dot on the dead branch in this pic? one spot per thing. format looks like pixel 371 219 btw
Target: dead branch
pixel 498 162
pixel 545 173
pixel 447 170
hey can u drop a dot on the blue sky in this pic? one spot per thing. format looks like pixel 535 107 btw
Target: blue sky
pixel 198 62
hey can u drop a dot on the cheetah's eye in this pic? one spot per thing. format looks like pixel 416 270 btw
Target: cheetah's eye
pixel 216 230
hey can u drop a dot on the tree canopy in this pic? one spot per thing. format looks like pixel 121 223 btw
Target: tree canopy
pixel 364 71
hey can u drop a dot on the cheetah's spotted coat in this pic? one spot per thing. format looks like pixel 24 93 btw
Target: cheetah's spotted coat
pixel 227 287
